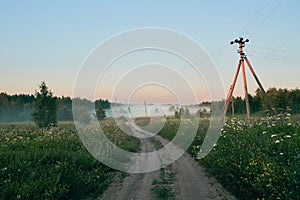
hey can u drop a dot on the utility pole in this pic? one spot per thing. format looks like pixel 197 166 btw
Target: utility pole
pixel 241 63
pixel 145 104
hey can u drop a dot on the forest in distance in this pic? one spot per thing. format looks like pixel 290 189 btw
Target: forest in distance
pixel 19 107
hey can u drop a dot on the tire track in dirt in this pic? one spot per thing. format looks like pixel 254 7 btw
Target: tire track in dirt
pixel 191 180
pixel 134 186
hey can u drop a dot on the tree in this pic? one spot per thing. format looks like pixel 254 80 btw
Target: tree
pixel 181 112
pixel 100 113
pixel 64 109
pixel 45 106
pixel 177 114
pixel 105 104
pixel 82 114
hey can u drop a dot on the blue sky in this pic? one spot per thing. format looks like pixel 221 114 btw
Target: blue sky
pixel 49 40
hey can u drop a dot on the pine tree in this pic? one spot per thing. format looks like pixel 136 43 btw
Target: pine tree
pixel 45 106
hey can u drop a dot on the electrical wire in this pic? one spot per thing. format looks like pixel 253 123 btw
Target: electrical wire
pixel 254 18
pixel 278 57
pixel 218 52
pixel 284 48
pixel 214 54
pixel 269 14
pixel 266 48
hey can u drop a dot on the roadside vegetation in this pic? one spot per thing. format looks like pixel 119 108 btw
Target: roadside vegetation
pixel 47 160
pixel 261 161
pixel 258 162
pixel 52 163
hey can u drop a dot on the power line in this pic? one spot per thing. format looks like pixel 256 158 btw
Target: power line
pixel 254 24
pixel 266 48
pixel 285 46
pixel 267 17
pixel 277 57
pixel 254 18
pixel 213 54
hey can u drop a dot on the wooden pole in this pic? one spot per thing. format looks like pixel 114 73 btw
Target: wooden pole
pixel 246 92
pixel 229 96
pixel 260 86
pixel 145 104
pixel 241 43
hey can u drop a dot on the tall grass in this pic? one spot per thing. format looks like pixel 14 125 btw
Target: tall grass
pixel 52 163
pixel 261 161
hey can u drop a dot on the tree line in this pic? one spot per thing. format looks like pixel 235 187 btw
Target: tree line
pixel 26 107
pixel 281 99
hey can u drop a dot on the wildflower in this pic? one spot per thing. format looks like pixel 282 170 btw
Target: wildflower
pixel 289 124
pixel 281 154
pixel 287 136
pixel 277 141
pixel 264 132
pixel 274 135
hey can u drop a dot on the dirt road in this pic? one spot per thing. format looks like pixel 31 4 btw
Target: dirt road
pixel 190 180
pixel 134 186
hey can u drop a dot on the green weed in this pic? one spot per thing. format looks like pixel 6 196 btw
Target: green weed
pixel 52 163
pixel 162 189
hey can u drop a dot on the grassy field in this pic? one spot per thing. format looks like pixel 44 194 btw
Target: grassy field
pixel 261 161
pixel 52 163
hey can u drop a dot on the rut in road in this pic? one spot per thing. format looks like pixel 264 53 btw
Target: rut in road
pixel 134 186
pixel 190 179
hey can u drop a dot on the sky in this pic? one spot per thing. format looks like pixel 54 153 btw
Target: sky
pixel 50 40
